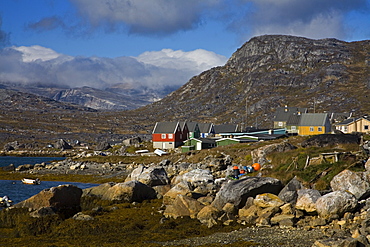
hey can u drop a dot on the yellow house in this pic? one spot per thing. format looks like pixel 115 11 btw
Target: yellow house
pixel 351 125
pixel 314 124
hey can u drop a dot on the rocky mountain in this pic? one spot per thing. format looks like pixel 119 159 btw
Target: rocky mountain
pixel 118 97
pixel 267 72
pixel 270 71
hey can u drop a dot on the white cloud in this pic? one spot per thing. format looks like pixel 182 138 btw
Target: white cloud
pixel 35 52
pixel 43 66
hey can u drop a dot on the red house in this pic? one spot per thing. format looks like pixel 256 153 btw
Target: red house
pixel 169 135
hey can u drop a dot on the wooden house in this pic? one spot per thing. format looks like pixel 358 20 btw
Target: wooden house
pixel 292 124
pixel 225 128
pixel 198 144
pixel 169 135
pixel 193 129
pixel 361 124
pixel 282 115
pixel 314 124
pixel 206 129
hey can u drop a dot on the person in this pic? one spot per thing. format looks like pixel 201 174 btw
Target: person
pixel 236 172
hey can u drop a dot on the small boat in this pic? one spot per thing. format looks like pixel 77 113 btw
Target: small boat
pixel 31 181
pixel 5 202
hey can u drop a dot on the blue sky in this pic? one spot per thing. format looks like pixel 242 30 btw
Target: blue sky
pixel 156 34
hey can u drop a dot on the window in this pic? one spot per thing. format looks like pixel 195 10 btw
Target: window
pixel 366 127
pixel 312 129
pixel 280 124
pixel 319 129
pixel 170 136
pixel 294 128
pixel 163 136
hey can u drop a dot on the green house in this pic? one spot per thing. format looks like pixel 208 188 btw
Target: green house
pixel 198 144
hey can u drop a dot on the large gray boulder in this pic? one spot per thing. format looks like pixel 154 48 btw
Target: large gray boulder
pixel 289 193
pixel 306 200
pixel 238 191
pixel 335 204
pixel 132 191
pixel 201 181
pixel 353 182
pixel 152 176
pixel 64 200
pixel 183 206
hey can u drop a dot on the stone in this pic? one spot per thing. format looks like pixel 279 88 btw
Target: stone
pixel 238 191
pixel 286 219
pixel 97 191
pixel 289 193
pixel 183 206
pixel 62 144
pixel 349 242
pixel 25 167
pixel 132 191
pixel 8 168
pixel 335 204
pixel 208 216
pixel 181 188
pixel 151 176
pixel 268 200
pixel 307 200
pixel 355 183
pixel 82 217
pixel 42 212
pixel 64 199
pixel 259 155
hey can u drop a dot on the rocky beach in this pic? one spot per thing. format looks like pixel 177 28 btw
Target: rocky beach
pixel 177 193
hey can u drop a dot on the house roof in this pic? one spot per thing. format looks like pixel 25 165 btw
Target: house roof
pixel 293 120
pixel 313 119
pixel 191 126
pixel 205 127
pixel 165 127
pixel 348 121
pixel 351 120
pixel 222 128
pixel 282 113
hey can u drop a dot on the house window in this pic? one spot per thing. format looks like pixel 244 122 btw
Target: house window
pixel 366 127
pixel 280 124
pixel 163 136
pixel 170 136
pixel 312 129
pixel 319 129
pixel 294 128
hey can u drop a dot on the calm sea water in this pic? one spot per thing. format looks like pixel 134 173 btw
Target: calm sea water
pixel 17 191
pixel 17 161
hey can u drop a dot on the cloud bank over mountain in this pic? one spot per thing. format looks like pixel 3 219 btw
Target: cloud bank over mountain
pixel 36 65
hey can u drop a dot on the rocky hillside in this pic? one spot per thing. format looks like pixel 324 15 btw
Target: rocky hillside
pixel 271 71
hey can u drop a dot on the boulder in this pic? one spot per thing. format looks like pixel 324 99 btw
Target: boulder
pixel 132 141
pixel 335 204
pixel 64 199
pixel 25 167
pixel 208 216
pixel 103 146
pixel 238 191
pixel 306 200
pixel 289 193
pixel 98 191
pixel 181 188
pixel 62 144
pixel 353 182
pixel 42 212
pixel 151 176
pixel 82 217
pixel 8 168
pixel 183 206
pixel 268 200
pixel 132 191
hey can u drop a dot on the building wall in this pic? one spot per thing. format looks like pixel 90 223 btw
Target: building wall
pixel 311 130
pixel 362 125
